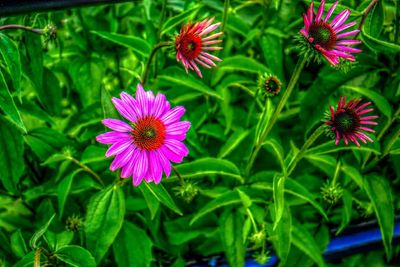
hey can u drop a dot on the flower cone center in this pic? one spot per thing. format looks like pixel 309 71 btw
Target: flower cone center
pixel 149 133
pixel 189 45
pixel 346 122
pixel 323 35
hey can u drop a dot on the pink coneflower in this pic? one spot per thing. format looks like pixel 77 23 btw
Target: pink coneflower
pixel 192 45
pixel 144 147
pixel 326 37
pixel 346 122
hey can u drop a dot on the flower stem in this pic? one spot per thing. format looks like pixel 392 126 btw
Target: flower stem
pixel 302 151
pixel 293 80
pixel 151 56
pixel 253 222
pixel 365 14
pixel 21 27
pixel 87 169
pixel 225 16
pixel 180 178
pixel 337 171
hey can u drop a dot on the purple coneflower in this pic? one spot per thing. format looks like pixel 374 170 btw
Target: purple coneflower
pixel 347 124
pixel 144 147
pixel 192 45
pixel 327 38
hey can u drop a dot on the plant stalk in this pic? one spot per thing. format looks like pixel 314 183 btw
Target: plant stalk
pixel 21 27
pixel 293 80
pixel 87 169
pixel 150 59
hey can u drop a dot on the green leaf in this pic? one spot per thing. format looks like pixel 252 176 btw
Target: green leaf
pixel 296 189
pixel 380 45
pixel 7 104
pixel 39 233
pixel 231 229
pixel 271 46
pixel 207 166
pixel 109 110
pixel 330 147
pixel 374 22
pixel 63 190
pixel 264 120
pixel 346 211
pixel 354 174
pixel 54 158
pixel 279 200
pixel 182 17
pixel 29 260
pixel 34 57
pixel 138 45
pixel 18 245
pixel 10 53
pixel 186 81
pixel 380 194
pixel 161 194
pixel 233 141
pixel 75 256
pixel 226 199
pixel 377 99
pixel 282 235
pixel 278 150
pixel 132 238
pixel 51 94
pixel 303 240
pixel 11 155
pixel 104 218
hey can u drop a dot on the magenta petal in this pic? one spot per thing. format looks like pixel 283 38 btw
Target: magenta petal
pixel 128 168
pixel 176 128
pixel 173 115
pixel 141 98
pixel 159 105
pixel 330 11
pixel 177 147
pixel 132 103
pixel 340 19
pixel 117 148
pixel 117 125
pixel 155 166
pixel 112 137
pixel 320 11
pixel 141 167
pixel 122 158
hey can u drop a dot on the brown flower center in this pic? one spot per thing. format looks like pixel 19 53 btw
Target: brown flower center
pixel 148 133
pixel 189 45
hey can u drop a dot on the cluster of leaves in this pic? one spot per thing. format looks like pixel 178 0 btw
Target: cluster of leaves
pixel 57 191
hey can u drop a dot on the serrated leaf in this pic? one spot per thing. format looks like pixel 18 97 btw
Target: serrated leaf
pixel 104 218
pixel 7 104
pixel 132 238
pixel 161 194
pixel 380 194
pixel 208 166
pixel 233 141
pixel 10 53
pixel 11 155
pixel 304 241
pixel 75 256
pixel 39 233
pixel 138 45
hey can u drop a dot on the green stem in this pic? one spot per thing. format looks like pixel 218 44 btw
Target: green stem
pixel 162 18
pixel 302 151
pixel 152 54
pixel 21 27
pixel 225 16
pixel 253 222
pixel 365 14
pixel 180 178
pixel 86 169
pixel 293 80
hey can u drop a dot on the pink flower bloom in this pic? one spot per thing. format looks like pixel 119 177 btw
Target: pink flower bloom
pixel 346 122
pixel 192 45
pixel 144 147
pixel 327 38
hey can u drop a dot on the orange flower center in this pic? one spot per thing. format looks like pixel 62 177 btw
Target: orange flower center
pixel 148 133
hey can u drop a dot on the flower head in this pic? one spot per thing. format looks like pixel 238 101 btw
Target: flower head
pixel 144 147
pixel 192 44
pixel 269 85
pixel 346 121
pixel 327 37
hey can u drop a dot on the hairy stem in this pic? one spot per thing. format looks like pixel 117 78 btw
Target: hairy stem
pixel 180 178
pixel 293 80
pixel 150 59
pixel 304 148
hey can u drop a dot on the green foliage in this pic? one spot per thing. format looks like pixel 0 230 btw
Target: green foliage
pixel 60 205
